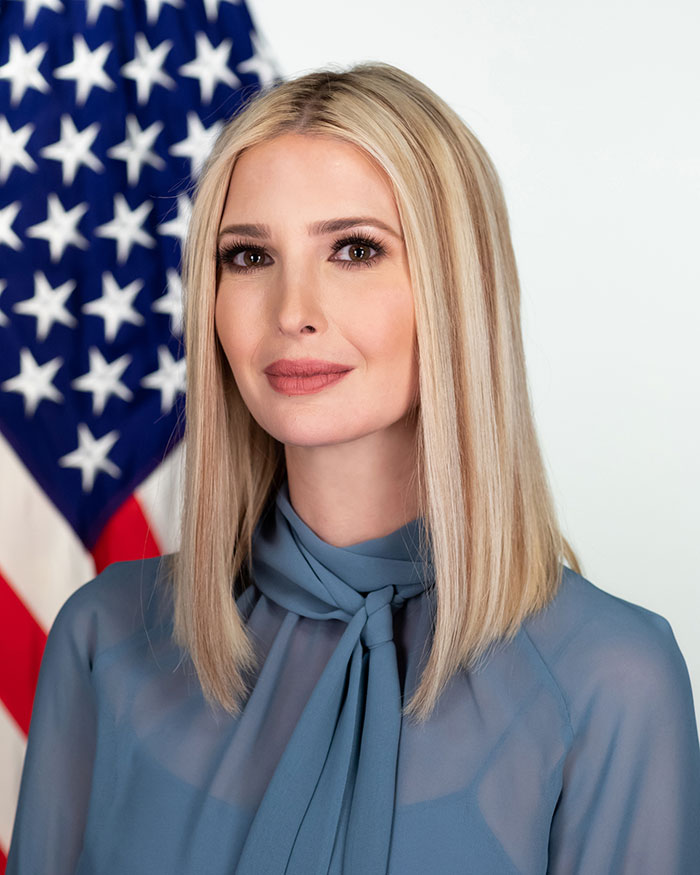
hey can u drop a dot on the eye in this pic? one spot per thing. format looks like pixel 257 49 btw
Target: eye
pixel 357 251
pixel 350 252
pixel 242 258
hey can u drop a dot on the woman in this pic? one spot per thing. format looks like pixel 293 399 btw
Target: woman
pixel 409 680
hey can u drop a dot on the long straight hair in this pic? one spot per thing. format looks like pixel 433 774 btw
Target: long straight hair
pixel 494 541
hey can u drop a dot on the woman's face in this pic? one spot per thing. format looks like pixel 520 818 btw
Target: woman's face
pixel 313 266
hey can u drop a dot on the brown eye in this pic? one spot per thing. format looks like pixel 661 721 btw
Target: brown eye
pixel 358 252
pixel 252 257
pixel 241 258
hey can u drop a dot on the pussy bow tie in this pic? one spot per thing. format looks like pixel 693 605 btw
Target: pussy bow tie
pixel 329 805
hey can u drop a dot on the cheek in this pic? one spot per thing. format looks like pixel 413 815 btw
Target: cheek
pixel 387 330
pixel 228 329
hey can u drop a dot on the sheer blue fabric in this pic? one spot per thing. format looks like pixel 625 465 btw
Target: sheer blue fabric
pixel 573 749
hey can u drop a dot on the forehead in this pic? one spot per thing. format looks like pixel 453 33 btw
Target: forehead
pixel 308 173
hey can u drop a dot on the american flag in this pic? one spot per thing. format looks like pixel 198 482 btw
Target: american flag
pixel 107 111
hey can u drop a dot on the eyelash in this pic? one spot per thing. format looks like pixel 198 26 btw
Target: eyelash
pixel 225 255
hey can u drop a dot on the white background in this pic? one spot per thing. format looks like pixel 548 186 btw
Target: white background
pixel 590 113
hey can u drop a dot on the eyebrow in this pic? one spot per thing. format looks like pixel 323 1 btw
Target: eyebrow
pixel 329 226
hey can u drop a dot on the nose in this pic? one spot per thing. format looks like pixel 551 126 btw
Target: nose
pixel 299 300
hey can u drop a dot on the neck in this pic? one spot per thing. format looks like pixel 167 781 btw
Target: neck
pixel 350 492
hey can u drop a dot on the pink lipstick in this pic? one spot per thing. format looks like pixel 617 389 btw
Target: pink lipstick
pixel 304 376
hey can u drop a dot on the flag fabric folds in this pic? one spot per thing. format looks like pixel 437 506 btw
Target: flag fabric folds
pixel 108 109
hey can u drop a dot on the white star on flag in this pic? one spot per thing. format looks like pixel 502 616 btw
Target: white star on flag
pixel 47 305
pixel 3 318
pixel 198 143
pixel 94 7
pixel 86 68
pixel 146 69
pixel 178 226
pixel 8 215
pixel 260 62
pixel 171 302
pixel 12 151
pixel 169 379
pixel 32 7
pixel 135 150
pixel 60 228
pixel 91 456
pixel 73 149
pixel 23 69
pixel 104 379
pixel 115 305
pixel 210 66
pixel 211 7
pixel 153 8
pixel 125 228
pixel 34 381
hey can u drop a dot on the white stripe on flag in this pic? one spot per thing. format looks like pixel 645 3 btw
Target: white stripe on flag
pixel 12 748
pixel 42 557
pixel 160 495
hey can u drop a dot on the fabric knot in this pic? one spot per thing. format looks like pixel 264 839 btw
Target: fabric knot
pixel 379 627
pixel 329 806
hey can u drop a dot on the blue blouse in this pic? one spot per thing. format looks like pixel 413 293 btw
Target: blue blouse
pixel 573 749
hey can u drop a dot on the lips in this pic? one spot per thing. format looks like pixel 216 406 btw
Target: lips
pixel 304 368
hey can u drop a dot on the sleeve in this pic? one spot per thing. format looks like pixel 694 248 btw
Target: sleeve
pixel 630 798
pixel 57 771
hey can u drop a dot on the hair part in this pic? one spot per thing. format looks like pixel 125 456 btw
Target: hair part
pixel 494 541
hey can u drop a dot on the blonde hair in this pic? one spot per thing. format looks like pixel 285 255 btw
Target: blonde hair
pixel 495 544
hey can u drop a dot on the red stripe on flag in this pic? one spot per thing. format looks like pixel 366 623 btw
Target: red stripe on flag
pixel 22 642
pixel 127 535
pixel 3 863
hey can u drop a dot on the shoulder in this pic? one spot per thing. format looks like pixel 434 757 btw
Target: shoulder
pixel 604 652
pixel 124 598
pixel 582 610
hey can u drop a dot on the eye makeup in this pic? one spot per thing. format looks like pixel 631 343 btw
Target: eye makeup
pixel 227 256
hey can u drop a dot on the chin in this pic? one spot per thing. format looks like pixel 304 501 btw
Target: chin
pixel 301 437
pixel 325 429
